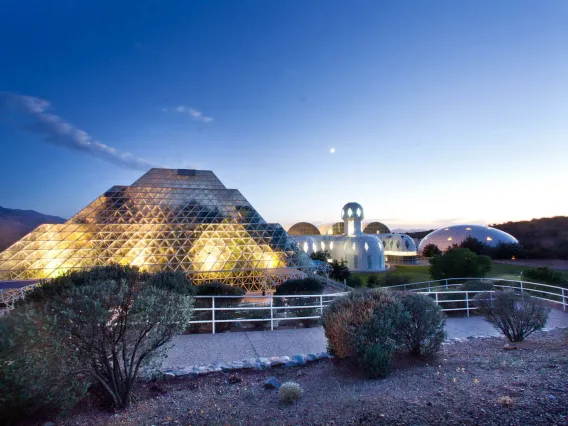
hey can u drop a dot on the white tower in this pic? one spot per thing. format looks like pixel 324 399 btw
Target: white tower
pixel 352 215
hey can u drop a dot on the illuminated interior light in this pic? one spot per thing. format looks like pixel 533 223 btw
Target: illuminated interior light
pixel 349 212
pixel 489 239
pixel 449 238
pixel 358 211
pixel 331 245
pixel 322 245
pixel 366 247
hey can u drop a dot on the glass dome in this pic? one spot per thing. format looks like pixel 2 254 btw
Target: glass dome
pixel 447 237
pixel 303 228
pixel 376 228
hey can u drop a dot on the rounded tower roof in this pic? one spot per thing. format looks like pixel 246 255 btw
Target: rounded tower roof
pixel 303 228
pixel 376 228
pixel 352 211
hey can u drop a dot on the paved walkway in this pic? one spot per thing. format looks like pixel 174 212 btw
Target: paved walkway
pixel 201 349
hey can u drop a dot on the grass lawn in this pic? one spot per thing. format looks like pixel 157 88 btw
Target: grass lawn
pixel 421 272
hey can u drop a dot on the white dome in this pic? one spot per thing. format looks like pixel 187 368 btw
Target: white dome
pixel 447 237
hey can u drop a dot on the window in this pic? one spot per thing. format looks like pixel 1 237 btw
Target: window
pixel 369 262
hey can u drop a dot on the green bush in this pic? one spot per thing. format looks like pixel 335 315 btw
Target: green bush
pixel 300 286
pixel 177 282
pixel 431 250
pixel 459 263
pixel 515 315
pixel 340 271
pixel 376 339
pixel 304 286
pixel 543 274
pixel 387 280
pixel 421 331
pixel 215 288
pixel 354 281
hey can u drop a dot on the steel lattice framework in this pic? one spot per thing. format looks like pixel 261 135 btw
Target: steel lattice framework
pixel 169 219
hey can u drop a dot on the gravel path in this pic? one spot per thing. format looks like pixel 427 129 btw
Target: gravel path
pixel 470 382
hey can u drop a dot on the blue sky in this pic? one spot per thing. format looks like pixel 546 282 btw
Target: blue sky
pixel 440 112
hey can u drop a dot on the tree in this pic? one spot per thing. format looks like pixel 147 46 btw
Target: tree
pixel 340 270
pixel 459 263
pixel 431 250
pixel 321 255
pixel 507 250
pixel 476 246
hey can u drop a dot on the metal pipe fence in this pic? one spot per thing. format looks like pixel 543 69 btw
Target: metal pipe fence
pixel 272 309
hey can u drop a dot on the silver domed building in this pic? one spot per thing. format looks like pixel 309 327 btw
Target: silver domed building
pixel 447 237
pixel 346 240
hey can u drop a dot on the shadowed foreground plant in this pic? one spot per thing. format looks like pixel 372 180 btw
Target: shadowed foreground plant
pixel 516 315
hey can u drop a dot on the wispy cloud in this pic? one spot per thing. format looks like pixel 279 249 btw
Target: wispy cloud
pixel 57 131
pixel 193 113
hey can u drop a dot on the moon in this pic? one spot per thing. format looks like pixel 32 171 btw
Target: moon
pixel 331 150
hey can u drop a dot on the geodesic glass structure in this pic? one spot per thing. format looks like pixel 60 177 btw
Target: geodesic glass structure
pixel 169 219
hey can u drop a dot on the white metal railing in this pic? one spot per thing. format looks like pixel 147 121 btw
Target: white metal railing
pixel 549 293
pixel 277 308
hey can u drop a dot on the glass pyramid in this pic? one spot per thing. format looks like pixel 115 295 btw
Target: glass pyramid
pixel 169 219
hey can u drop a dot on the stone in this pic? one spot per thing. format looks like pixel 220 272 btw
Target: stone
pixel 49 424
pixel 299 359
pixel 508 347
pixel 169 375
pixel 290 363
pixel 272 383
pixel 312 357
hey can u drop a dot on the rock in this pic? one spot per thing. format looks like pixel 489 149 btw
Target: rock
pixel 291 364
pixel 234 378
pixel 299 359
pixel 429 404
pixel 168 375
pixel 272 383
pixel 49 424
pixel 509 347
pixel 312 357
pixel 551 396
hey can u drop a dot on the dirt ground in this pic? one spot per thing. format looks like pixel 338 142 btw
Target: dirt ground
pixel 471 382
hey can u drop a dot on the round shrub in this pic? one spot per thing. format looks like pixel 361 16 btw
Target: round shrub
pixel 476 285
pixel 515 314
pixel 215 288
pixel 290 392
pixel 354 281
pixel 376 339
pixel 299 286
pixel 345 314
pixel 421 330
pixel 459 263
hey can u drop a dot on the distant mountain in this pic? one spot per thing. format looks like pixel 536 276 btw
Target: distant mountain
pixel 414 233
pixel 15 223
pixel 545 238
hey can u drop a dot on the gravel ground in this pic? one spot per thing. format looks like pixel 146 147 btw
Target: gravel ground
pixel 473 382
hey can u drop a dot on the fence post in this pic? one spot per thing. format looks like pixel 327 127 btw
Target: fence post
pixel 522 291
pixel 429 288
pixel 271 313
pixel 437 303
pixel 467 303
pixel 563 300
pixel 213 312
pixel 321 305
pixel 446 283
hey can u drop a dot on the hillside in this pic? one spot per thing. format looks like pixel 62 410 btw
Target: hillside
pixel 15 223
pixel 545 238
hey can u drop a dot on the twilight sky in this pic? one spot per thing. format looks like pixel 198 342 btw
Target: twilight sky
pixel 440 112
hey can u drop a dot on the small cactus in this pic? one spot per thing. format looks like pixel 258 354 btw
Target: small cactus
pixel 290 392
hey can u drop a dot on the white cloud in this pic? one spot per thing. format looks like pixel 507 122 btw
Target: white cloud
pixel 59 132
pixel 192 112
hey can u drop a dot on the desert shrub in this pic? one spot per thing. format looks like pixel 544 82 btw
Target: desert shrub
pixel 177 281
pixel 345 314
pixel 421 331
pixel 321 255
pixel 300 286
pixel 515 315
pixel 476 285
pixel 290 392
pixel 354 281
pixel 215 288
pixel 104 324
pixel 459 263
pixel 38 371
pixel 543 274
pixel 431 250
pixel 376 339
pixel 304 286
